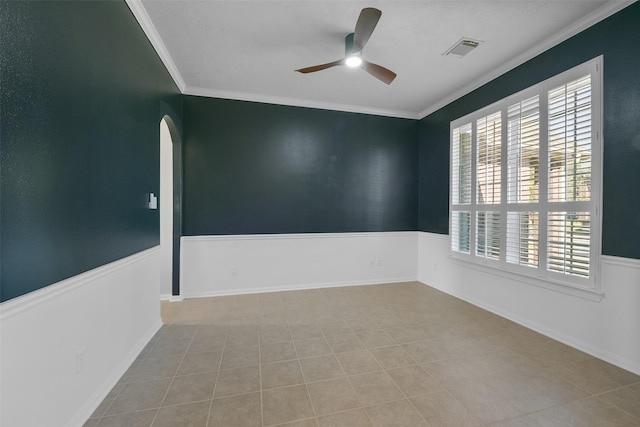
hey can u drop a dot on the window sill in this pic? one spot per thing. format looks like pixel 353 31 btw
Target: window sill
pixel 565 288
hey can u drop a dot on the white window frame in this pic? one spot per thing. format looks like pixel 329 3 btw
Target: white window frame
pixel 540 276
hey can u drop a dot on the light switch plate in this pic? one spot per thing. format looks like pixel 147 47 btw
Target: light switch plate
pixel 153 201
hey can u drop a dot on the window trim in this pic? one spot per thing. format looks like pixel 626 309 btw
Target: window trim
pixel 540 276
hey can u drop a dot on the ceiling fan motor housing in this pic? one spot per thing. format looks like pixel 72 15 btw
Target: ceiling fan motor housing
pixel 353 45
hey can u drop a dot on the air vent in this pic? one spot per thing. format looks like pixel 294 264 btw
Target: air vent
pixel 462 47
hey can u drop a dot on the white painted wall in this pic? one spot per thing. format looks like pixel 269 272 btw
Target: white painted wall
pixel 608 329
pixel 217 265
pixel 166 209
pixel 111 312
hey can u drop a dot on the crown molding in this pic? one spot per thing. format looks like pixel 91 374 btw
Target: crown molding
pixel 141 15
pixel 268 99
pixel 587 21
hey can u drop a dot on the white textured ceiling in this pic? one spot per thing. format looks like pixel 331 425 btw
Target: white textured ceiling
pixel 249 49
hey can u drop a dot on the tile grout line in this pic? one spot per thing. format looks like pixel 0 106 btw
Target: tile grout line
pixel 173 378
pixel 607 402
pixel 260 370
pixel 613 404
pixel 213 396
pixel 362 406
pixel 128 381
pixel 406 396
pixel 313 409
pixel 124 384
pixel 620 386
pixel 388 307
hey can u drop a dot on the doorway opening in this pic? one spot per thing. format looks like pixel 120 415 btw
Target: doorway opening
pixel 170 202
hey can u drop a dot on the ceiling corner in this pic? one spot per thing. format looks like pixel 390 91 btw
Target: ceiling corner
pixel 294 102
pixel 608 9
pixel 141 15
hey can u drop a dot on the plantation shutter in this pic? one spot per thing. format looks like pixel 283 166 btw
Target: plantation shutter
pixel 522 238
pixel 570 142
pixel 488 159
pixel 525 182
pixel 569 178
pixel 461 170
pixel 523 141
pixel 461 189
pixel 523 171
pixel 488 234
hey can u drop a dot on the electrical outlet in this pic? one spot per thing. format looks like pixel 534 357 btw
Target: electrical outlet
pixel 234 271
pixel 80 359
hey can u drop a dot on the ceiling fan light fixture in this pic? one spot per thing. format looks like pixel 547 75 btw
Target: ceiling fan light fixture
pixel 353 45
pixel 353 61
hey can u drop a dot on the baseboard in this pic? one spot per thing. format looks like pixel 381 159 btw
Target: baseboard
pixel 614 359
pixel 96 399
pixel 108 313
pixel 605 328
pixel 237 264
pixel 264 289
pixel 295 236
pixel 170 298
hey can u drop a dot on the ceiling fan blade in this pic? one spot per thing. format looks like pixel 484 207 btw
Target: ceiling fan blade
pixel 320 67
pixel 367 22
pixel 379 72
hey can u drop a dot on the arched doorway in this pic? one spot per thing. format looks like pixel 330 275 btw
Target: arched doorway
pixel 170 206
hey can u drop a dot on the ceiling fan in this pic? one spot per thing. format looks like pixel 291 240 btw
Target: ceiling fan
pixel 354 43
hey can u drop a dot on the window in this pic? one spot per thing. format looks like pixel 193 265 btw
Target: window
pixel 525 181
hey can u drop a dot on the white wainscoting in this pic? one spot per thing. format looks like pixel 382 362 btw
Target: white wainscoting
pixel 111 312
pixel 219 265
pixel 608 329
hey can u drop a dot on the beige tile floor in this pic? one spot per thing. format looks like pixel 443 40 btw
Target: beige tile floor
pixel 385 355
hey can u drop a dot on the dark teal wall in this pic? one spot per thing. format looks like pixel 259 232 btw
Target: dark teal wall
pixel 617 39
pixel 82 94
pixel 261 168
